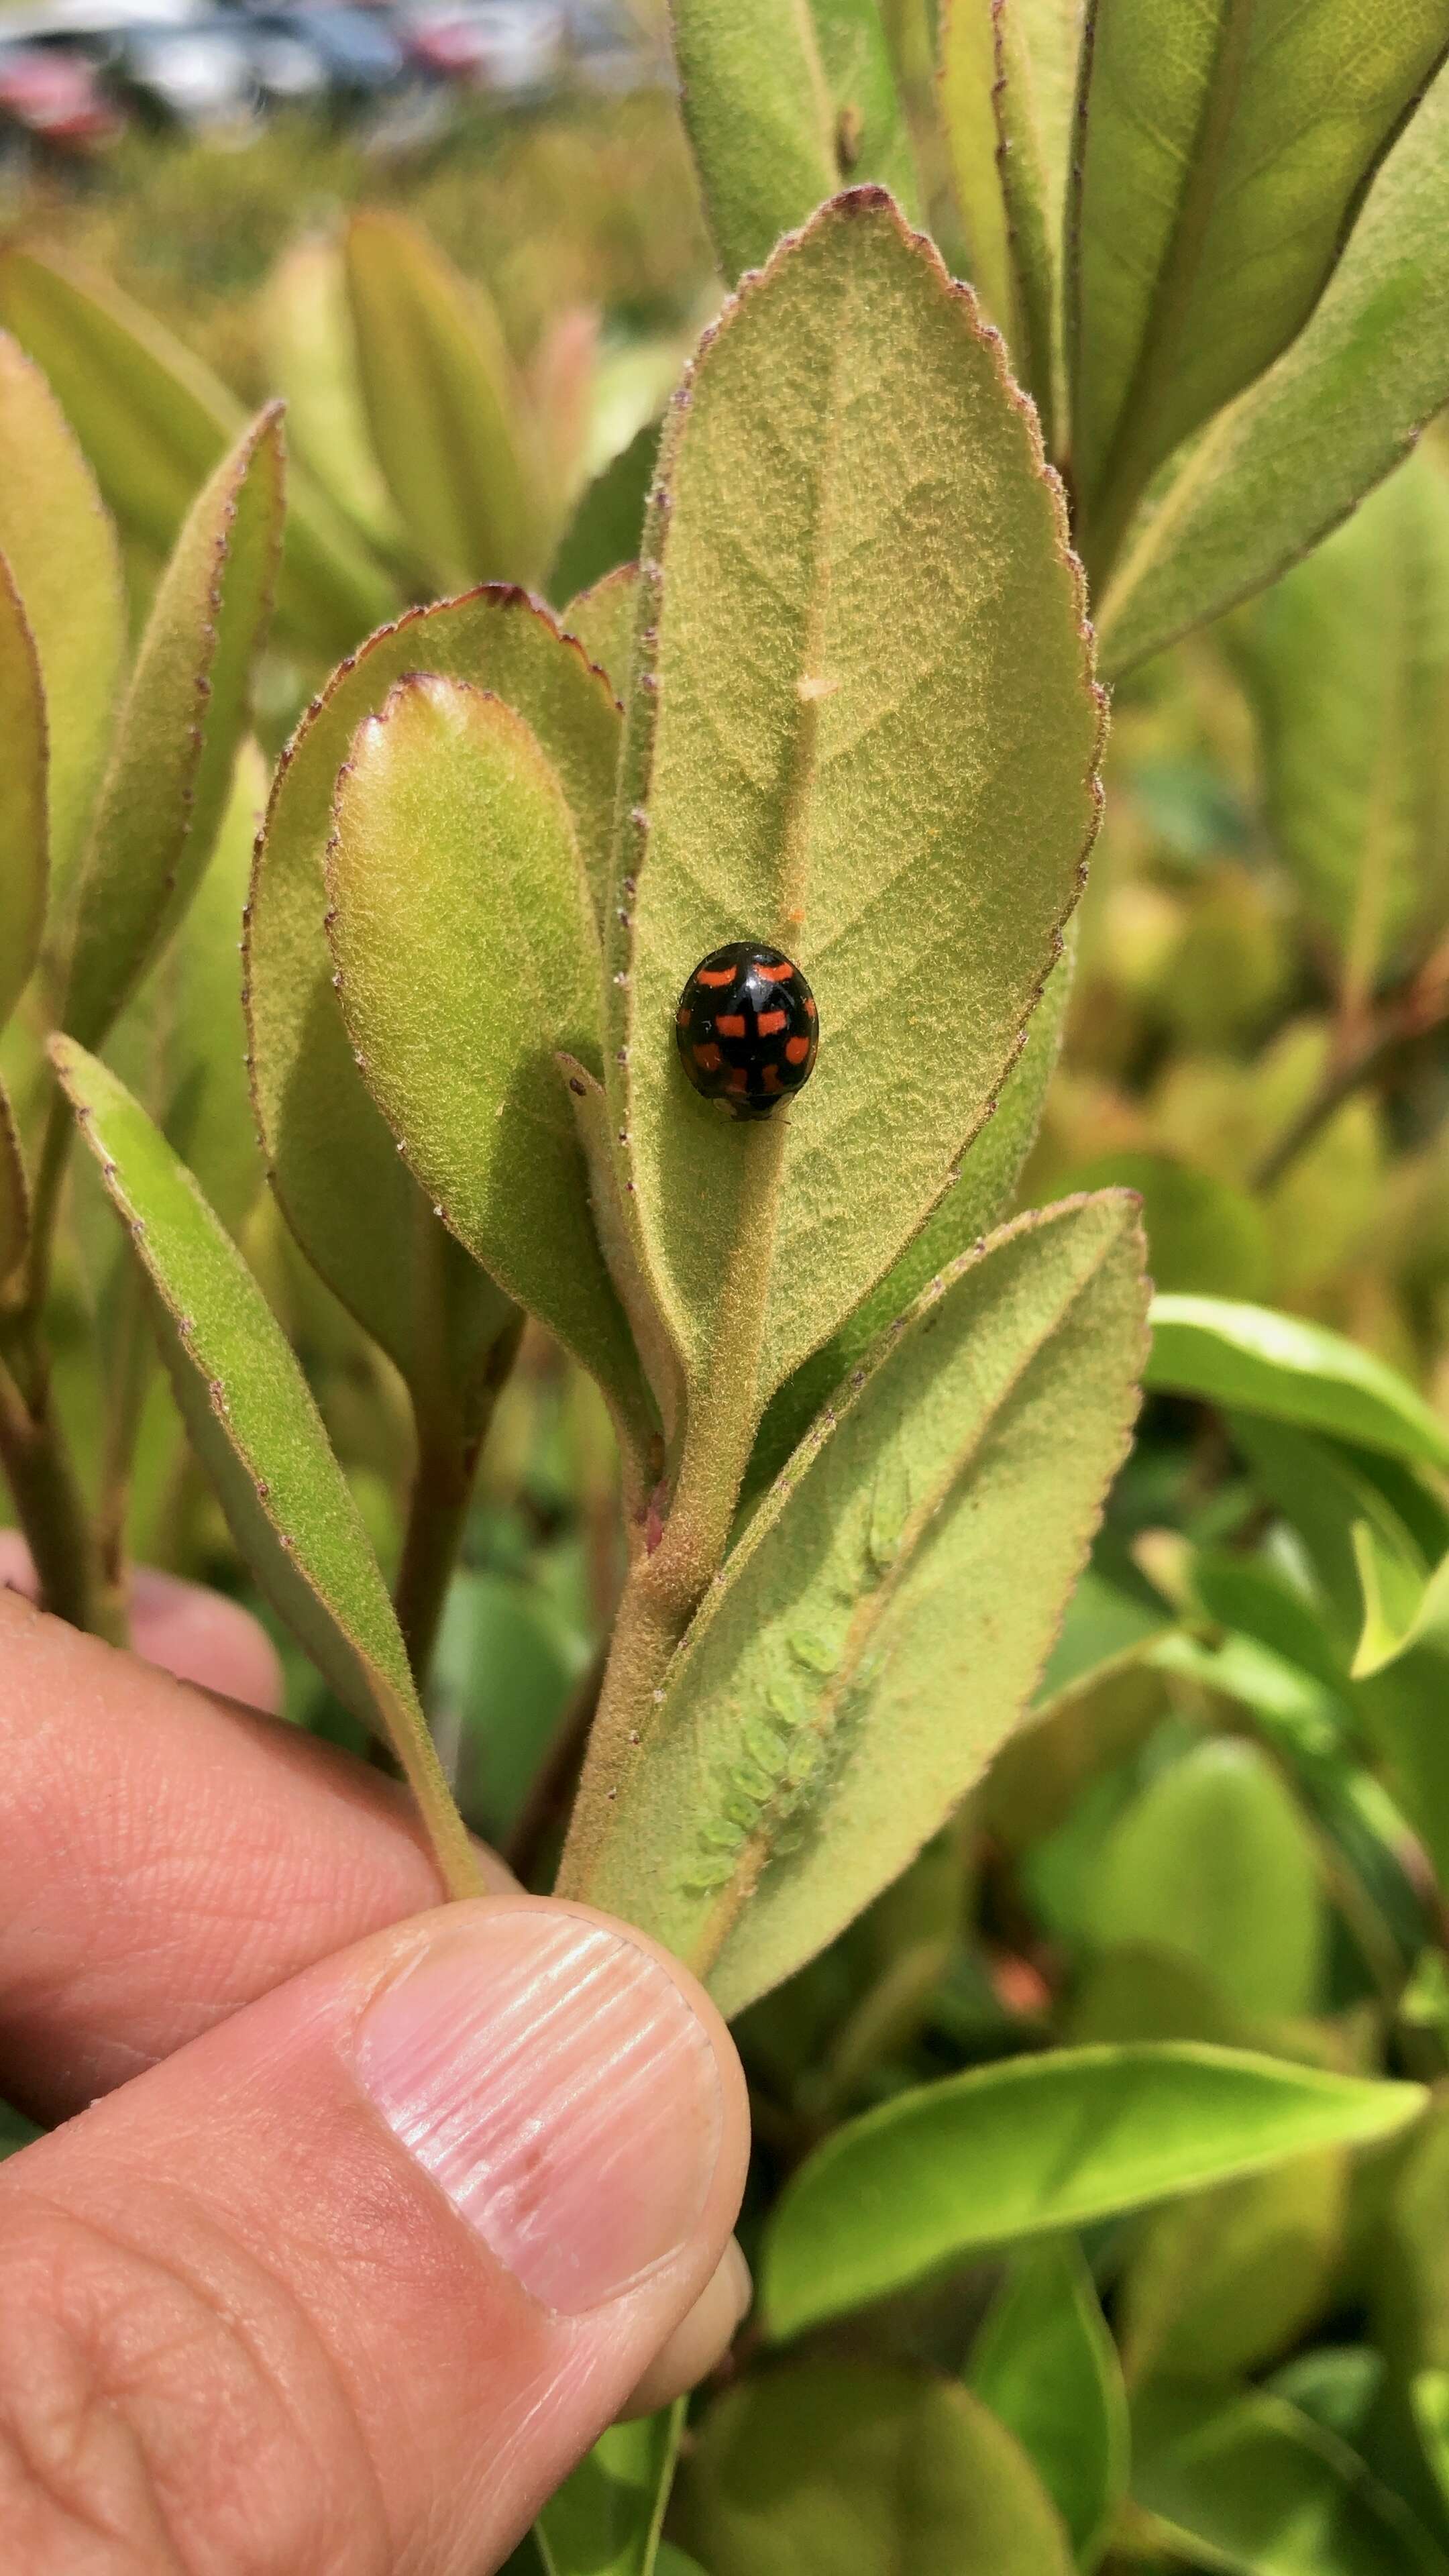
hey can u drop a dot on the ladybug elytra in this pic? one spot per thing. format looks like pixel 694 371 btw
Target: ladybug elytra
pixel 747 1028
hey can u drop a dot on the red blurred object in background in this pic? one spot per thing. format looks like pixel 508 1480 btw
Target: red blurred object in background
pixel 57 99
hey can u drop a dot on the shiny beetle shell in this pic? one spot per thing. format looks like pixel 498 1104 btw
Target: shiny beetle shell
pixel 747 1028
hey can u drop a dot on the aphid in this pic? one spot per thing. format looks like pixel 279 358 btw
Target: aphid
pixel 747 1028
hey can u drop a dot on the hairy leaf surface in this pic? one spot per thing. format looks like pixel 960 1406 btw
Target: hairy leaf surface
pixel 758 114
pixel 1010 204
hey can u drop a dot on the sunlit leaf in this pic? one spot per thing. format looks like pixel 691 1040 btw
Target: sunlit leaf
pixel 1010 197
pixel 872 135
pixel 206 1109
pixel 607 521
pixel 313 354
pixel 1292 1371
pixel 1255 2486
pixel 24 854
pixel 1342 405
pixel 1202 1233
pixel 603 621
pixel 837 2471
pixel 759 119
pixel 177 734
pixel 605 2518
pixel 1036 2144
pixel 869 1645
pixel 1205 225
pixel 1046 2364
pixel 65 565
pixel 254 1423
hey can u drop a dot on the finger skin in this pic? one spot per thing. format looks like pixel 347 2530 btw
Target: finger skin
pixel 165 1859
pixel 187 1631
pixel 244 2331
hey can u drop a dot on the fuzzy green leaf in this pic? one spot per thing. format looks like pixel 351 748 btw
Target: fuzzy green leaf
pixel 65 565
pixel 1250 2484
pixel 444 407
pixel 1010 199
pixel 871 133
pixel 605 2518
pixel 24 857
pixel 1046 2364
pixel 253 1422
pixel 468 954
pixel 206 1106
pixel 758 114
pixel 838 2471
pixel 1292 1371
pixel 1205 223
pixel 1037 2144
pixel 866 732
pixel 1213 1863
pixel 870 1645
pixel 603 621
pixel 1293 455
pixel 970 1208
pixel 608 520
pixel 154 423
pixel 355 1209
pixel 1347 662
pixel 177 736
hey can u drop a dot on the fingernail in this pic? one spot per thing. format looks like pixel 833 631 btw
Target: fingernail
pixel 555 2083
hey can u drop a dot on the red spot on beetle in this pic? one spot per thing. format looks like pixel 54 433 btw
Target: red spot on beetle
pixel 715 975
pixel 683 1015
pixel 780 974
pixel 810 1011
pixel 708 1058
pixel 796 1050
pixel 731 1024
pixel 738 1078
pixel 767 1022
pixel 772 1078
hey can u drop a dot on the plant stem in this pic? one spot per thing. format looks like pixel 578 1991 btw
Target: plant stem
pixel 1422 1007
pixel 51 1509
pixel 447 1465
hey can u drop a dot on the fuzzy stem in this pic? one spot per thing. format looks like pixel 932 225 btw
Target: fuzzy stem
pixel 447 1466
pixel 51 1510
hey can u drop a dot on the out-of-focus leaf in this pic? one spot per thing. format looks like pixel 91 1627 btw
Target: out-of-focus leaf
pixel 64 564
pixel 1009 195
pixel 1188 173
pixel 1429 2394
pixel 1247 2483
pixel 1213 1863
pixel 872 136
pixel 1202 1234
pixel 603 621
pixel 1046 2364
pixel 468 955
pixel 1105 1628
pixel 834 2471
pixel 1067 1742
pixel 1037 2144
pixel 1403 1711
pixel 253 1421
pixel 347 1195
pixel 607 522
pixel 971 1207
pixel 1334 2384
pixel 605 2518
pixel 207 1109
pixel 869 1647
pixel 313 354
pixel 1292 456
pixel 1347 661
pixel 1219 2283
pixel 14 1193
pixel 154 423
pixel 1292 1371
pixel 1403 1605
pixel 444 406
pixel 176 740
pixel 906 817
pixel 24 857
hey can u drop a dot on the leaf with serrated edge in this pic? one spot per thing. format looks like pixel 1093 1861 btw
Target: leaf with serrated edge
pixel 1289 459
pixel 1188 177
pixel 603 621
pixel 251 1416
pixel 354 1208
pixel 870 1643
pixel 65 564
pixel 758 115
pixel 1004 187
pixel 1037 2144
pixel 1292 1370
pixel 867 732
pixel 177 736
pixel 24 863
pixel 445 409
pixel 605 2518
pixel 467 955
pixel 1046 2364
pixel 154 422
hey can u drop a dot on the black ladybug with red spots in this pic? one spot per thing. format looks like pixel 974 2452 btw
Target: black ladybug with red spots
pixel 747 1028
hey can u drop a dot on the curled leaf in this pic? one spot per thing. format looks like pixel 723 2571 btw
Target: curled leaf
pixel 24 863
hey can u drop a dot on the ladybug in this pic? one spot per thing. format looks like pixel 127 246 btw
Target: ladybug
pixel 747 1028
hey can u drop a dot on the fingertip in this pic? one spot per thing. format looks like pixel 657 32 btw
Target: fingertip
pixel 202 1637
pixel 701 2340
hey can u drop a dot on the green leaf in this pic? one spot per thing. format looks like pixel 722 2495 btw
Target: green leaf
pixel 154 423
pixel 872 135
pixel 1224 2281
pixel 608 521
pixel 1036 2144
pixel 1213 1863
pixel 1429 2396
pixel 838 2471
pixel 1009 195
pixel 1189 179
pixel 313 358
pixel 1045 2363
pixel 971 1207
pixel 352 1204
pixel 1342 405
pixel 1403 1607
pixel 1402 1710
pixel 64 562
pixel 206 1109
pixel 869 1644
pixel 24 860
pixel 602 619
pixel 14 1193
pixel 253 1422
pixel 467 956
pixel 176 740
pixel 845 744
pixel 1347 663
pixel 1248 2483
pixel 445 409
pixel 604 2520
pixel 1202 1233
pixel 758 115
pixel 1292 1371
